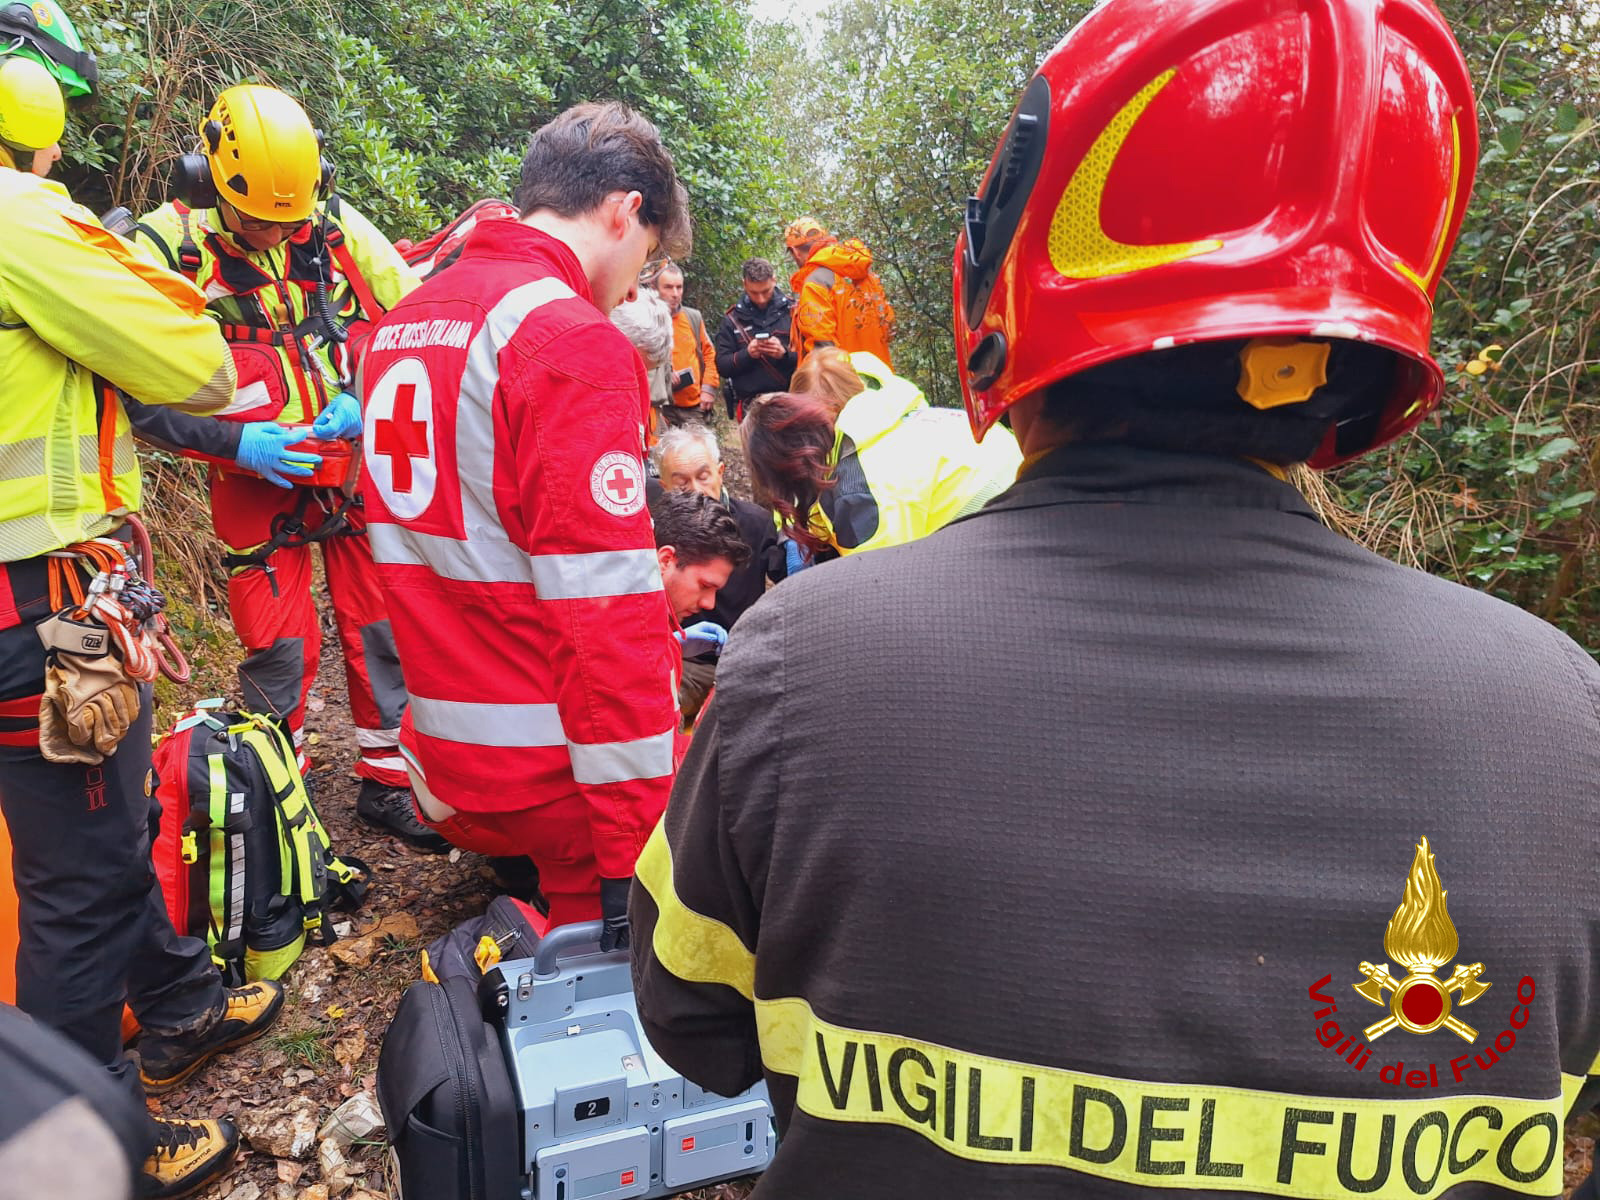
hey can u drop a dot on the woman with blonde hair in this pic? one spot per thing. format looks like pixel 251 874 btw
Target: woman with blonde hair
pixel 859 459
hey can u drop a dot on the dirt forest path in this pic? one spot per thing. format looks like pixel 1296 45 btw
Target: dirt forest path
pixel 324 1050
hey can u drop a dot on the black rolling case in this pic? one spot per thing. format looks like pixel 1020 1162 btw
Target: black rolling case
pixel 454 1126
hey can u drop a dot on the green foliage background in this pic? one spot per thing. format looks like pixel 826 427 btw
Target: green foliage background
pixel 880 118
pixel 427 104
pixel 1499 491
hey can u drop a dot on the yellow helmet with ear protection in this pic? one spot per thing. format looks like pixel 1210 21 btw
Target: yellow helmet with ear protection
pixel 264 155
pixel 32 111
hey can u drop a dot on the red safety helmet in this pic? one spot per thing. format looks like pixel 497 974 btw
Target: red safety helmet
pixel 1200 170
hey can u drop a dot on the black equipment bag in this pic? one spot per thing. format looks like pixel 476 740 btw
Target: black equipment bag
pixel 509 928
pixel 453 1119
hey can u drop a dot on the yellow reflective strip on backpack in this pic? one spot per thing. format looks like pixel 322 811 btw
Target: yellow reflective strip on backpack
pixel 217 874
pixel 341 870
pixel 1157 1135
pixel 259 736
pixel 308 840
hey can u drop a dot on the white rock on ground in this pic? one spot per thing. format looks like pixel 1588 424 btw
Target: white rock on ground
pixel 329 1157
pixel 287 1130
pixel 356 1119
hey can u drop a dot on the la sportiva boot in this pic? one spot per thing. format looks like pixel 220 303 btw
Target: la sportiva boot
pixel 393 809
pixel 188 1156
pixel 165 1062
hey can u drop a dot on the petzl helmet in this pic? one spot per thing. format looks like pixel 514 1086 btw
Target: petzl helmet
pixel 1187 171
pixel 263 153
pixel 41 31
pixel 32 112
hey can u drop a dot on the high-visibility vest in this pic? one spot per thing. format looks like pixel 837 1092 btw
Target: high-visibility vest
pixel 67 465
pixel 267 301
pixel 902 468
pixel 67 472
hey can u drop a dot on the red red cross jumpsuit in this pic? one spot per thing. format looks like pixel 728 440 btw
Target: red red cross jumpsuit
pixel 504 428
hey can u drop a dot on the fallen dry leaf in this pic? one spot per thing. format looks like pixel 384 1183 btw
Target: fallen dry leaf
pixel 348 1051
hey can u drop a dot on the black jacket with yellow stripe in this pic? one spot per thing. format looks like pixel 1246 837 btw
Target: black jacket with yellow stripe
pixel 1046 857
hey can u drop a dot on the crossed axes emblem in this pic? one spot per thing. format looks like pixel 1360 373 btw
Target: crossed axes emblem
pixel 1464 979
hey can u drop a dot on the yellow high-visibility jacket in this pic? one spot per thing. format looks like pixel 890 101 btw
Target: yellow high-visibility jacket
pixel 80 309
pixel 265 298
pixel 904 468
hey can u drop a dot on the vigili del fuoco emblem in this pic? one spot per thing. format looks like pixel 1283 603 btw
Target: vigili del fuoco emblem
pixel 1421 938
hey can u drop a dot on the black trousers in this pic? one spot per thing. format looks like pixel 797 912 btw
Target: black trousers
pixel 94 930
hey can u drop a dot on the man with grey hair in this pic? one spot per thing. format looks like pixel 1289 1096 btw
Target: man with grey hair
pixel 688 459
pixel 646 321
pixel 753 354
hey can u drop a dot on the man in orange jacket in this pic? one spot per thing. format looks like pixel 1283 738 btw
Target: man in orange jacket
pixel 694 363
pixel 838 298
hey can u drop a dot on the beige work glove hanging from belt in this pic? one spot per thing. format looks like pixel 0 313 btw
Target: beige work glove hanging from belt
pixel 89 702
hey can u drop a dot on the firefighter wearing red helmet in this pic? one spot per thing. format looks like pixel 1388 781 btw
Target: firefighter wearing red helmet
pixel 1138 832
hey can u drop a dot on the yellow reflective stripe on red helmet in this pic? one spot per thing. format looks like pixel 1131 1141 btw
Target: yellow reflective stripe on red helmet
pixel 691 946
pixel 1164 1135
pixel 1425 280
pixel 1079 245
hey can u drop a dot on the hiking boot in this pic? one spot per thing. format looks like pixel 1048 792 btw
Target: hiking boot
pixel 165 1062
pixel 188 1156
pixel 519 877
pixel 392 808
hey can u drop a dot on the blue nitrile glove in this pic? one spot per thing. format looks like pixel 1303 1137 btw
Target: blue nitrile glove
pixel 341 419
pixel 261 449
pixel 795 557
pixel 704 637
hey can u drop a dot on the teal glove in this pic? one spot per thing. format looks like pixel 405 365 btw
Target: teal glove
pixel 341 419
pixel 262 450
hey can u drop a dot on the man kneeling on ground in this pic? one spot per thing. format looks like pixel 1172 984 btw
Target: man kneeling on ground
pixel 699 546
pixel 689 460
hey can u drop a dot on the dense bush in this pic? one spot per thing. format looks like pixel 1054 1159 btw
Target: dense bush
pixel 427 104
pixel 897 108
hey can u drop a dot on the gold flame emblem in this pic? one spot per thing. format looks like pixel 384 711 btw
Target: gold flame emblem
pixel 1421 938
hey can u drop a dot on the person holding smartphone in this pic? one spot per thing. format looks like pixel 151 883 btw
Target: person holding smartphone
pixel 753 353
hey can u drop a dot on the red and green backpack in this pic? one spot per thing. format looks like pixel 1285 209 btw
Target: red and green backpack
pixel 242 857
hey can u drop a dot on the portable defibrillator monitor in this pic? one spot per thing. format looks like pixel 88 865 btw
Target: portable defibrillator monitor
pixel 603 1117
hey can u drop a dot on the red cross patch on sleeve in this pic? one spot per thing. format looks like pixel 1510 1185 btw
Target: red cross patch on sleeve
pixel 617 483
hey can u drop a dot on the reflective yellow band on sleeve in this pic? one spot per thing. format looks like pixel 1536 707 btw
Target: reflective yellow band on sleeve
pixel 1162 1135
pixel 691 946
pixel 1570 1084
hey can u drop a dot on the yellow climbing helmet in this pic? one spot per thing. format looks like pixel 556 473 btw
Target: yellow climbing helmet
pixel 264 155
pixel 32 111
pixel 802 231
